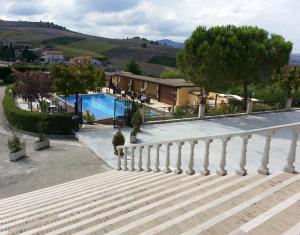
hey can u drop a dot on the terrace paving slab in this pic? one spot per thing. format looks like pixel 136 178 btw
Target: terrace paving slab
pixel 99 140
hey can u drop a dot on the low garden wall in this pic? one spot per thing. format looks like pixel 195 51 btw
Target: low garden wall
pixel 56 123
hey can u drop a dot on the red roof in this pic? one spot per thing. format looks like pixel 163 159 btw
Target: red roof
pixel 55 52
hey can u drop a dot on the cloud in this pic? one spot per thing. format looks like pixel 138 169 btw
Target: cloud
pixel 156 19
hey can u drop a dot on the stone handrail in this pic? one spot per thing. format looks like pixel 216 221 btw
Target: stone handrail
pixel 225 138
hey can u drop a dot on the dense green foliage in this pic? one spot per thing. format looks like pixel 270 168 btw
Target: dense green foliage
pixel 7 53
pixel 170 73
pixel 6 75
pixel 133 67
pixel 163 60
pixel 89 118
pixel 57 123
pixel 225 56
pixel 29 56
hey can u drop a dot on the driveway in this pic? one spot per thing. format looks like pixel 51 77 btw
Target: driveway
pixel 65 160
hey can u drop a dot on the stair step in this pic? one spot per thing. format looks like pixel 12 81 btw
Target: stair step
pixel 148 203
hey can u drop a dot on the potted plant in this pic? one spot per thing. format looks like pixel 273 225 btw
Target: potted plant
pixel 42 142
pixel 133 135
pixel 89 118
pixel 118 139
pixel 16 147
pixel 137 121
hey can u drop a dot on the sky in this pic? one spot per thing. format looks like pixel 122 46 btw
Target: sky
pixel 158 19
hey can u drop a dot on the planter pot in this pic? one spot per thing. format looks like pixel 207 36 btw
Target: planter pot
pixel 132 138
pixel 17 155
pixel 41 144
pixel 116 151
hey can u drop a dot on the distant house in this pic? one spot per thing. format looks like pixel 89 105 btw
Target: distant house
pixel 53 57
pixel 7 42
pixel 85 59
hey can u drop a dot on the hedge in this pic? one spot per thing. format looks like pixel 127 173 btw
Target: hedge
pixel 57 123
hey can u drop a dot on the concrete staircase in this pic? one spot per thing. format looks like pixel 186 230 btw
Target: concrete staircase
pixel 118 202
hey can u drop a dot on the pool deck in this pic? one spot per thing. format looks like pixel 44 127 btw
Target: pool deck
pixel 99 139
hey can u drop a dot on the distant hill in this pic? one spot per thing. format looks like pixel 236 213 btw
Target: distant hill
pixel 117 51
pixel 167 42
pixel 295 59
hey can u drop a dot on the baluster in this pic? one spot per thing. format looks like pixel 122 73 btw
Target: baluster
pixel 190 170
pixel 205 170
pixel 140 159
pixel 148 168
pixel 266 155
pixel 178 169
pixel 119 160
pixel 222 170
pixel 156 166
pixel 242 171
pixel 125 159
pixel 132 159
pixel 167 164
pixel 290 168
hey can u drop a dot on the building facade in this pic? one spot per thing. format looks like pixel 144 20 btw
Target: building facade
pixel 53 57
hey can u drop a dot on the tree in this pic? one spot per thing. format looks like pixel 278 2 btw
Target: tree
pixel 225 56
pixel 133 67
pixel 100 79
pixel 170 73
pixel 289 80
pixel 35 86
pixel 74 79
pixel 28 55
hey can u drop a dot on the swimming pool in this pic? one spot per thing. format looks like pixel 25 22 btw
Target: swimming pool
pixel 101 105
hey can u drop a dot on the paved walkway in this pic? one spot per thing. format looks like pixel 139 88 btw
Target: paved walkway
pixel 100 140
pixel 65 160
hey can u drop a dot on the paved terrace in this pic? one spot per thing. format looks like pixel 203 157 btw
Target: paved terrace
pixel 99 140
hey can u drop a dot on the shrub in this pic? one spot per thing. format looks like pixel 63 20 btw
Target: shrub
pixel 137 120
pixel 89 118
pixel 1 82
pixel 15 144
pixel 57 123
pixel 118 139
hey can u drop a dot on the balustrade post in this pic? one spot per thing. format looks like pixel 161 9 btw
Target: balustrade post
pixel 148 168
pixel 125 159
pixel 242 171
pixel 119 160
pixel 290 168
pixel 266 155
pixel 140 163
pixel 156 166
pixel 178 169
pixel 222 170
pixel 167 164
pixel 132 159
pixel 205 170
pixel 190 170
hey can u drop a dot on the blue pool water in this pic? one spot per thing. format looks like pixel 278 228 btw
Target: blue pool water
pixel 101 105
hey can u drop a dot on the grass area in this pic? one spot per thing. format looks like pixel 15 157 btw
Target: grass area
pixel 62 40
pixel 163 60
pixel 86 47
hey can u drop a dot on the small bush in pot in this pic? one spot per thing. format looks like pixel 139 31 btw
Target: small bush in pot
pixel 42 142
pixel 16 147
pixel 137 121
pixel 118 139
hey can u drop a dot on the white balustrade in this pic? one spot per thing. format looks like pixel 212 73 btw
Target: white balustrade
pixel 140 163
pixel 205 170
pixel 222 170
pixel 242 171
pixel 266 155
pixel 178 169
pixel 192 143
pixel 167 164
pixel 290 168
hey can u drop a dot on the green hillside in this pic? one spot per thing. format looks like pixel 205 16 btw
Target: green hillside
pixel 118 51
